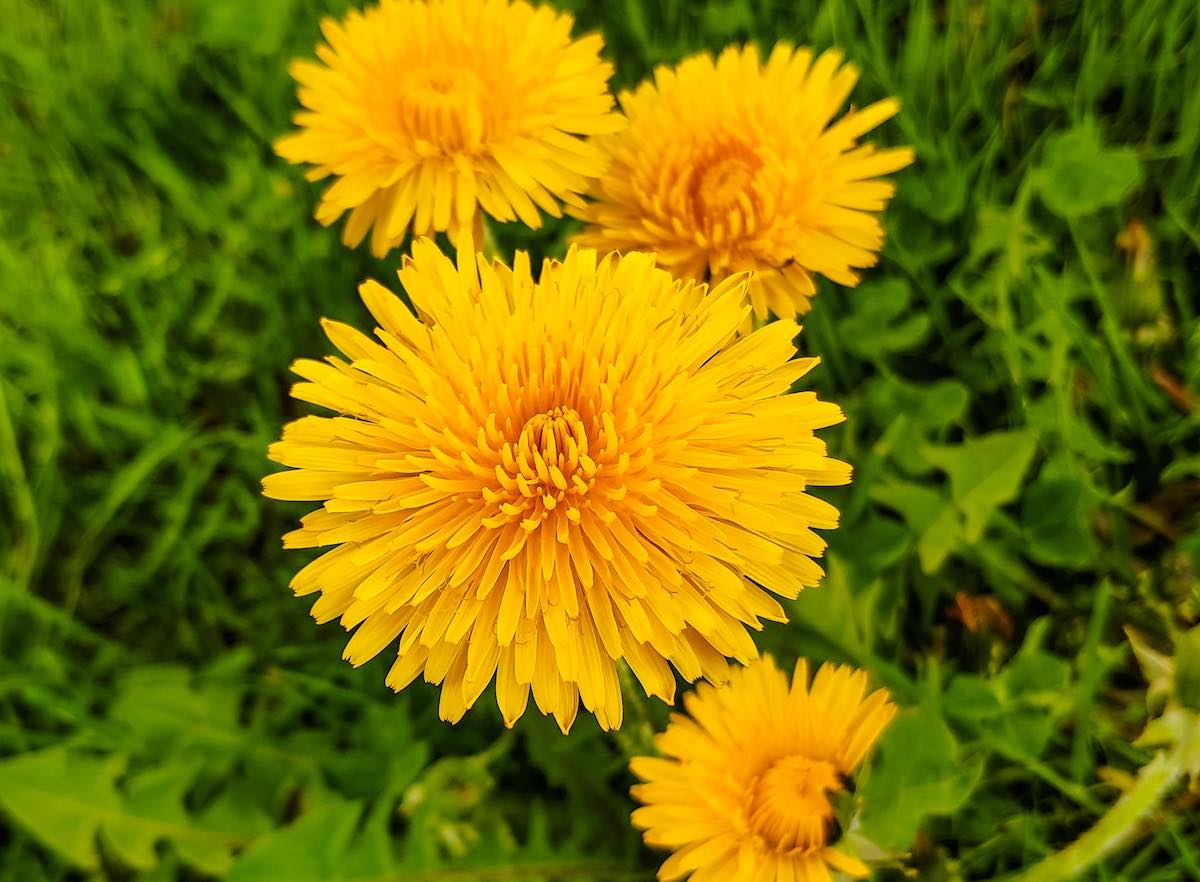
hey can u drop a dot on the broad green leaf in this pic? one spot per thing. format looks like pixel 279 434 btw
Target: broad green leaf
pixel 1079 175
pixel 204 844
pixel 931 406
pixel 940 191
pixel 931 517
pixel 941 403
pixel 321 846
pixel 61 798
pixel 388 754
pixel 1076 431
pixel 1054 523
pixel 1036 676
pixel 985 473
pixel 882 321
pixel 878 543
pixel 66 799
pixel 971 698
pixel 939 540
pixel 919 771
pixel 1020 707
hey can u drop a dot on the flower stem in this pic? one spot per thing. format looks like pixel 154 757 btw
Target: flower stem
pixel 1116 828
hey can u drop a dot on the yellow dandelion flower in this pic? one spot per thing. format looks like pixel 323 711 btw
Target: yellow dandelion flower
pixel 534 479
pixel 744 791
pixel 733 165
pixel 426 110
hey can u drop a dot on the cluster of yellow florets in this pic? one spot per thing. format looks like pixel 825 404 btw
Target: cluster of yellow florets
pixel 543 479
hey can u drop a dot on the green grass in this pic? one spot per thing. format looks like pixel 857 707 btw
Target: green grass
pixel 1021 419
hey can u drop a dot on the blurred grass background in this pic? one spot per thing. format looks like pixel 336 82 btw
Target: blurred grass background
pixel 1020 375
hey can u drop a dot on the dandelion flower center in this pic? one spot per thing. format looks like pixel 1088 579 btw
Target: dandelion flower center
pixel 444 111
pixel 744 785
pixel 723 201
pixel 738 163
pixel 790 807
pixel 548 466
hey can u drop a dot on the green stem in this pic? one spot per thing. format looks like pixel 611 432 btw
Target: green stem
pixel 1116 828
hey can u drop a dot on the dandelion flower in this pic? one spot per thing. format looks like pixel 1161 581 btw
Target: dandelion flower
pixel 532 480
pixel 733 164
pixel 747 784
pixel 426 111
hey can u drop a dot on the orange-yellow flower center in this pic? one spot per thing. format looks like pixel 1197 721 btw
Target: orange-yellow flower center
pixel 444 111
pixel 789 805
pixel 718 183
pixel 549 466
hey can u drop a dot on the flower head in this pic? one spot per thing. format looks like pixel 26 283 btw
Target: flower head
pixel 533 479
pixel 426 110
pixel 747 786
pixel 735 164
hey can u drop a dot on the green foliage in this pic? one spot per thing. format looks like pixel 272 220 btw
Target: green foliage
pixel 1187 669
pixel 1020 374
pixel 1080 175
pixel 919 772
pixel 985 473
pixel 67 799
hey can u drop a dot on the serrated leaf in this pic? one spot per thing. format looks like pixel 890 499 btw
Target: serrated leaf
pixel 61 798
pixel 66 799
pixel 1079 175
pixel 985 473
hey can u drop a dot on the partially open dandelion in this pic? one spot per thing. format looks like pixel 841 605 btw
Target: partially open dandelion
pixel 734 164
pixel 747 786
pixel 427 110
pixel 533 479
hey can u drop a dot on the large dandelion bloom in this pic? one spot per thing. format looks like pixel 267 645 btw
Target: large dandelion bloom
pixel 746 789
pixel 534 479
pixel 426 111
pixel 734 165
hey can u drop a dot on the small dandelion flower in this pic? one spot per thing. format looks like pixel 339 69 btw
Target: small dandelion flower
pixel 426 110
pixel 747 786
pixel 735 164
pixel 532 480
